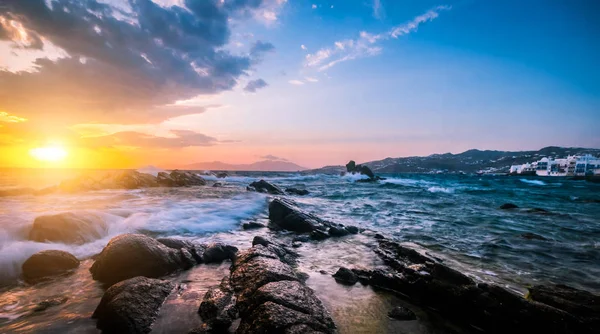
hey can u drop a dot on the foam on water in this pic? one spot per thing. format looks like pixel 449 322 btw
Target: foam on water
pixel 436 189
pixel 534 182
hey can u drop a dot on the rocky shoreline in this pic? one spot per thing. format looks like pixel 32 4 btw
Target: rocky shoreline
pixel 265 291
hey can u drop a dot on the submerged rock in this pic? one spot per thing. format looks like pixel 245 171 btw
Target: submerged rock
pixel 533 236
pixel 131 255
pixel 402 313
pixel 48 263
pixel 221 175
pixel 48 303
pixel 263 186
pixel 68 227
pixel 507 206
pixel 131 306
pixel 296 191
pixel 345 276
pixel 252 225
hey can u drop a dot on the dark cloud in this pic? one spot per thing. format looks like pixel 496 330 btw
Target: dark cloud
pixel 181 139
pixel 124 62
pixel 272 157
pixel 255 85
pixel 259 48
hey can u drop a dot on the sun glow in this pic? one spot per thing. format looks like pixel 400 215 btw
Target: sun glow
pixel 48 153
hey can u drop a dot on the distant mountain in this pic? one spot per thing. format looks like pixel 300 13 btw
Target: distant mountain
pixel 470 161
pixel 265 165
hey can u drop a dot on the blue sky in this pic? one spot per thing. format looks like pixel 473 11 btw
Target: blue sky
pixel 370 79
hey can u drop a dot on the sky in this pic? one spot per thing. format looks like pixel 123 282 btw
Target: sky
pixel 130 83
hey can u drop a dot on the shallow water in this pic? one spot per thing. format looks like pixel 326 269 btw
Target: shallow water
pixel 454 217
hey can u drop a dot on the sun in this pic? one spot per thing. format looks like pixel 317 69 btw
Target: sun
pixel 48 153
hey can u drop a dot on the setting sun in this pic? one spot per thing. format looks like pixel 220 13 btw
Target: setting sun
pixel 48 153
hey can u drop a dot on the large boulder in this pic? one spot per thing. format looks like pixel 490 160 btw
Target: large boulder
pixel 180 179
pixel 131 255
pixel 131 306
pixel 218 308
pixel 296 191
pixel 286 215
pixel 263 186
pixel 352 167
pixel 48 263
pixel 124 179
pixel 218 252
pixel 69 228
pixel 580 303
pixel 195 250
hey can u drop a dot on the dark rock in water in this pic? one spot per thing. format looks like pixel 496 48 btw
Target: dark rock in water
pixel 319 235
pixel 286 215
pixel 283 253
pixel 217 185
pixel 379 236
pixel 336 231
pixel 48 263
pixel 218 308
pixel 580 303
pixel 195 250
pixel 252 225
pixel 352 167
pixel 131 306
pixel 218 252
pixel 345 276
pixel 352 229
pixel 533 236
pixel 402 313
pixel 258 240
pixel 46 304
pixel 295 191
pixel 301 238
pixel 296 244
pixel 180 179
pixel 126 179
pixel 222 175
pixel 130 255
pixel 263 186
pixel 68 227
pixel 538 211
pixel 507 206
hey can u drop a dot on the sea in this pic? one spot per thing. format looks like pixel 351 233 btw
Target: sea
pixel 456 218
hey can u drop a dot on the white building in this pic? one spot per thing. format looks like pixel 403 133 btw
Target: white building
pixel 573 165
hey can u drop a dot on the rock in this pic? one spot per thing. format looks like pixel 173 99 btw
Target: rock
pixel 68 227
pixel 345 276
pixel 402 313
pixel 195 250
pixel 48 263
pixel 379 236
pixel 252 272
pixel 46 304
pixel 319 235
pixel 218 308
pixel 508 206
pixel 295 191
pixel 180 179
pixel 217 185
pixel 130 255
pixel 131 306
pixel 221 175
pixel 533 236
pixel 351 229
pixel 263 186
pixel 274 318
pixel 252 225
pixel 539 211
pixel 352 167
pixel 335 231
pixel 125 179
pixel 574 301
pixel 296 244
pixel 218 252
pixel 258 240
pixel 286 215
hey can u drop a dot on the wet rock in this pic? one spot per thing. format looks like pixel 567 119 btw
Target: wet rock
pixel 217 185
pixel 131 306
pixel 274 318
pixel 352 167
pixel 336 231
pixel 221 175
pixel 352 229
pixel 296 191
pixel 296 244
pixel 253 272
pixel 179 179
pixel 218 308
pixel 402 313
pixel 533 236
pixel 263 186
pixel 345 276
pixel 70 228
pixel 580 303
pixel 286 215
pixel 48 263
pixel 48 303
pixel 301 238
pixel 319 235
pixel 218 252
pixel 252 225
pixel 195 250
pixel 508 206
pixel 258 240
pixel 131 255
pixel 379 236
pixel 126 179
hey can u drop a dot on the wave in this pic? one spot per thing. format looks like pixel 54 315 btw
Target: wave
pixel 436 189
pixel 534 182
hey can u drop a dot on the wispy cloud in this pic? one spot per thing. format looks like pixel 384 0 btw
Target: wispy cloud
pixel 296 82
pixel 255 85
pixel 272 157
pixel 314 6
pixel 303 47
pixel 366 44
pixel 309 79
pixel 8 118
pixel 378 10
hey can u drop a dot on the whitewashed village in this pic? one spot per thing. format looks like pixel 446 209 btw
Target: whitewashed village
pixel 572 165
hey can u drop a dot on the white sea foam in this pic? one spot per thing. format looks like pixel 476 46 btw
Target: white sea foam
pixel 436 189
pixel 354 177
pixel 150 170
pixel 534 182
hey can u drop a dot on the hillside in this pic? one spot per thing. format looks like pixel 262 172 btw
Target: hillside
pixel 265 165
pixel 470 161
